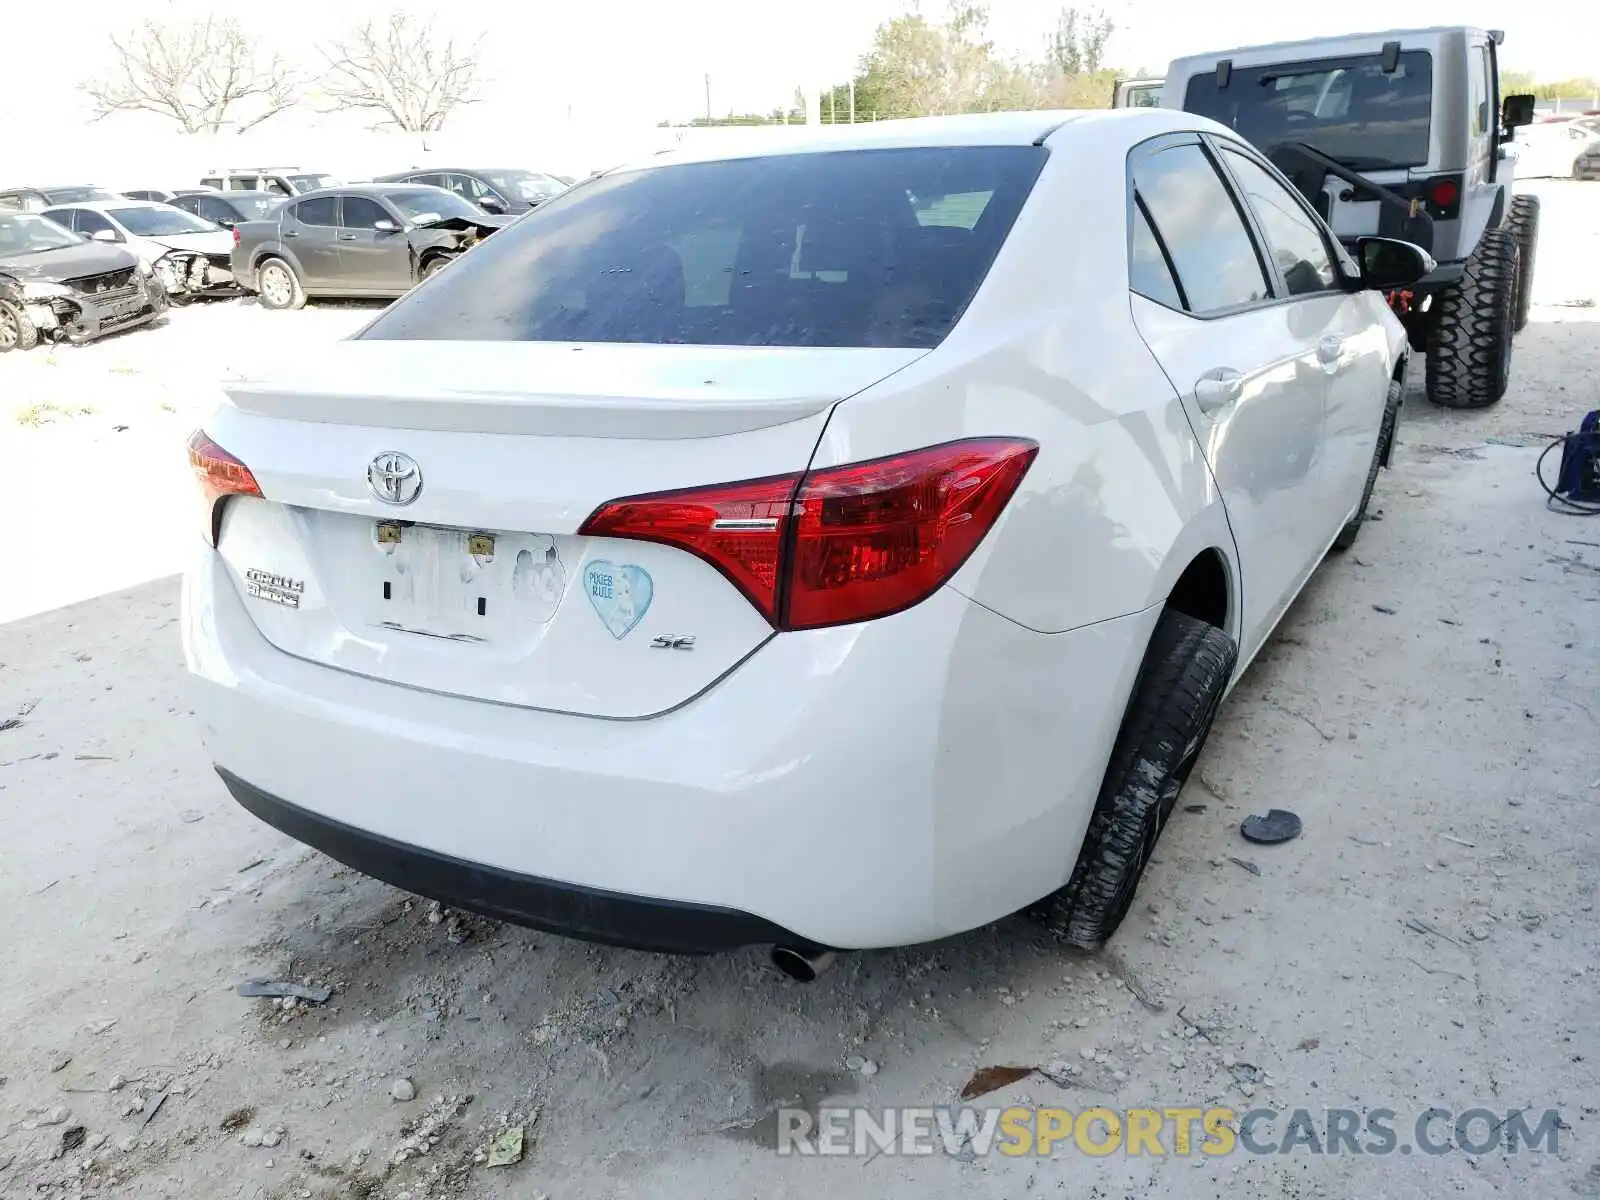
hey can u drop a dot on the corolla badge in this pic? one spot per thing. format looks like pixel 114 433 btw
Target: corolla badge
pixel 395 478
pixel 620 593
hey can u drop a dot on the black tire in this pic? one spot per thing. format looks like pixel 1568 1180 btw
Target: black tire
pixel 1185 672
pixel 1380 458
pixel 1524 223
pixel 17 331
pixel 433 266
pixel 1469 346
pixel 278 286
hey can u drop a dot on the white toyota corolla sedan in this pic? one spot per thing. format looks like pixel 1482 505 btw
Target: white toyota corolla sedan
pixel 839 545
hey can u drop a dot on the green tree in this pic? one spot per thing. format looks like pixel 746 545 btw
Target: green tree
pixel 918 67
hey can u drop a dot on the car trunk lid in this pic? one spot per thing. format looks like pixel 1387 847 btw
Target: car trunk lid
pixel 457 566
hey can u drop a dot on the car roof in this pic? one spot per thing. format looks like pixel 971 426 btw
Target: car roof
pixel 1052 127
pixel 378 188
pixel 104 206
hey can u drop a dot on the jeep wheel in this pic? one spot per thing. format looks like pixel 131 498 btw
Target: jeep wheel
pixel 1180 684
pixel 17 331
pixel 278 286
pixel 1380 458
pixel 1524 223
pixel 1469 347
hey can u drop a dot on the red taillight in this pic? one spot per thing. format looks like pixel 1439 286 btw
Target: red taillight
pixel 236 238
pixel 736 527
pixel 841 544
pixel 1445 193
pixel 876 537
pixel 220 475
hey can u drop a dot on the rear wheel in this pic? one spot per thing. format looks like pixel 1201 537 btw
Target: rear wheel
pixel 1185 672
pixel 1524 223
pixel 1469 347
pixel 1380 458
pixel 278 286
pixel 17 331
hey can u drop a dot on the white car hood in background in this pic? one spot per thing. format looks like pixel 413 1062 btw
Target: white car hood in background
pixel 206 242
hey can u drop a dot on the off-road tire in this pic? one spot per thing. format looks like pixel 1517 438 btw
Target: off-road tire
pixel 17 330
pixel 1524 222
pixel 1469 346
pixel 1181 681
pixel 1380 458
pixel 293 296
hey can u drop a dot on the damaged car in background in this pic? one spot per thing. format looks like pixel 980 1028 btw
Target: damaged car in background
pixel 189 255
pixel 373 240
pixel 55 286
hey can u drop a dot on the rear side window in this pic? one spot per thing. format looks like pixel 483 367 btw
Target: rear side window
pixel 1204 234
pixel 320 210
pixel 841 248
pixel 1149 273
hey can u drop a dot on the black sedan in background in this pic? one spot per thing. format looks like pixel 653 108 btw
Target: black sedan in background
pixel 229 208
pixel 507 190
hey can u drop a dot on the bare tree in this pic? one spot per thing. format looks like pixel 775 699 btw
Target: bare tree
pixel 205 75
pixel 402 69
pixel 1078 44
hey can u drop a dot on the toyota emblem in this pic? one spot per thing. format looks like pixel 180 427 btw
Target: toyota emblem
pixel 395 478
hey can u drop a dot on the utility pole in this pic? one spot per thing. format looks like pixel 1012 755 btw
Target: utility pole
pixel 852 100
pixel 708 98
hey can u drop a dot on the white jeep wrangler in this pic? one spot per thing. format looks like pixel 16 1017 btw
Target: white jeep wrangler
pixel 1400 134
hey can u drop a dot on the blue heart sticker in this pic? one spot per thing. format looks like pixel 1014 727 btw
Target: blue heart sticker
pixel 620 594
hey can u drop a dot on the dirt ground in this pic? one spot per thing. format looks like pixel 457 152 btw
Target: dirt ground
pixel 1428 708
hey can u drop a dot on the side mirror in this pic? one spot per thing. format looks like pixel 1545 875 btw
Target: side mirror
pixel 1389 262
pixel 103 235
pixel 1517 111
pixel 386 226
pixel 492 204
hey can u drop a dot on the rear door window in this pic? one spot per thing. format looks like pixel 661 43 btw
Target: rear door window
pixel 1194 215
pixel 319 210
pixel 841 248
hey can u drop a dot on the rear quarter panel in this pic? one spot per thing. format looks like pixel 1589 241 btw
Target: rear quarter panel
pixel 1119 499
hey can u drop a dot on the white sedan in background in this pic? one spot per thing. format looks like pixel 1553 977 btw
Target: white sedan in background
pixel 189 255
pixel 839 547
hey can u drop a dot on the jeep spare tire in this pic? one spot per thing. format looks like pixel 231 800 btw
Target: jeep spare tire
pixel 1469 346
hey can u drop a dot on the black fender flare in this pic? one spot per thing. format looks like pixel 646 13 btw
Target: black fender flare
pixel 1497 214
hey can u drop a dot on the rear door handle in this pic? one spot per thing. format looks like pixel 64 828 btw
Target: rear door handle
pixel 1217 389
pixel 288 233
pixel 1329 350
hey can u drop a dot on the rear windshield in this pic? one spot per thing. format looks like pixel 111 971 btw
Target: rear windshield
pixel 1347 108
pixel 879 248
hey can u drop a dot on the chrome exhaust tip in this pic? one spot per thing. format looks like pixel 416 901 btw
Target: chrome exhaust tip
pixel 802 966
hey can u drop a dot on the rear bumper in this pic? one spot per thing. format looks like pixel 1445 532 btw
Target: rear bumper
pixel 589 913
pixel 872 785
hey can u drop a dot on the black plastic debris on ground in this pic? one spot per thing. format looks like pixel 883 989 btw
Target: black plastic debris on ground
pixel 1279 825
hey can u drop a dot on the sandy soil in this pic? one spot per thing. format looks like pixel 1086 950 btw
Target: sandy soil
pixel 1428 707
